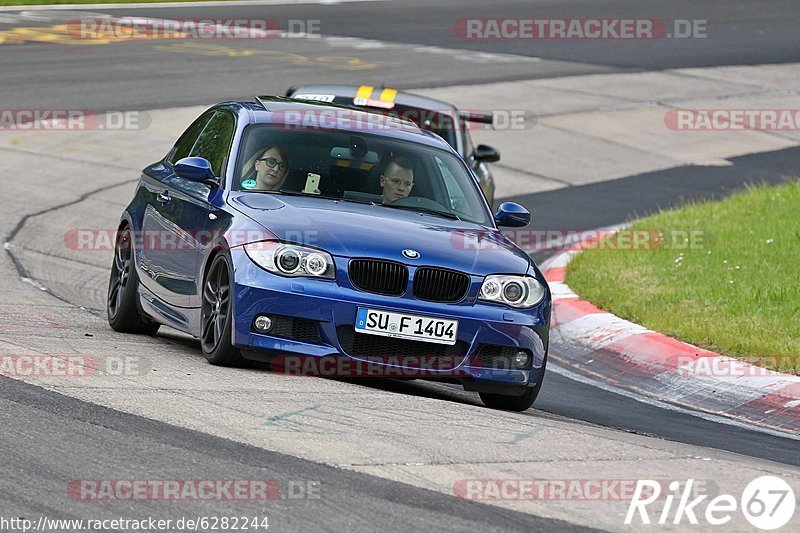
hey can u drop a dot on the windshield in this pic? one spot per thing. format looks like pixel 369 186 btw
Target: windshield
pixel 442 121
pixel 359 167
pixel 443 124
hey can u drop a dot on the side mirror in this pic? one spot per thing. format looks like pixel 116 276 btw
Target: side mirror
pixel 481 118
pixel 512 215
pixel 196 169
pixel 486 154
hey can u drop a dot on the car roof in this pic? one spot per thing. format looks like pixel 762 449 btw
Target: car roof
pixel 282 110
pixel 400 98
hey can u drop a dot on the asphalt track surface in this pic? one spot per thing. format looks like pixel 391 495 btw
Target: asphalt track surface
pixel 86 435
pixel 148 75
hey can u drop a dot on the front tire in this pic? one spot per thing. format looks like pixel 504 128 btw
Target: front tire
pixel 510 403
pixel 520 403
pixel 216 316
pixel 121 306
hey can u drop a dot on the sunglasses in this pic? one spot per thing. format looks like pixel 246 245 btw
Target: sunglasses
pixel 271 162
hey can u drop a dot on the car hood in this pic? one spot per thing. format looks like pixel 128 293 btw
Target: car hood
pixel 348 229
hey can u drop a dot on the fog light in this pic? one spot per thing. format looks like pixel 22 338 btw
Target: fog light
pixel 521 359
pixel 263 323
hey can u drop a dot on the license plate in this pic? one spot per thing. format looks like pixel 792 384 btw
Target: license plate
pixel 403 326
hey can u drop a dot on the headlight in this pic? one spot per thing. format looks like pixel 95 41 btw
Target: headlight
pixel 516 291
pixel 291 260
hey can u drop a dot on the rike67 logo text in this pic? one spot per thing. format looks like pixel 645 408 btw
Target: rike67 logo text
pixel 767 503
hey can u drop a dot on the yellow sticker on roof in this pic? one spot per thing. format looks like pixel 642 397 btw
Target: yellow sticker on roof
pixel 388 95
pixel 384 101
pixel 364 92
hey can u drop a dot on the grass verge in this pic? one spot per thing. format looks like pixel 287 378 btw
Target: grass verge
pixel 726 276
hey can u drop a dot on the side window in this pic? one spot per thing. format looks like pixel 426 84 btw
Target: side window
pixel 468 147
pixel 189 137
pixel 215 141
pixel 455 193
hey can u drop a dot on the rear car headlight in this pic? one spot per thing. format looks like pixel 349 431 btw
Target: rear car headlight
pixel 516 291
pixel 291 260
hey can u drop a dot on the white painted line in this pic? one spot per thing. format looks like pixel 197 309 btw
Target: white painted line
pixel 56 7
pixel 560 260
pixel 563 257
pixel 28 15
pixel 551 366
pixel 561 291
pixel 33 282
pixel 459 54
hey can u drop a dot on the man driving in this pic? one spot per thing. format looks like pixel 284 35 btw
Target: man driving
pixel 397 180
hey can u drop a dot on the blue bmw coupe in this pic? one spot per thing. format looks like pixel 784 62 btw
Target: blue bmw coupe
pixel 291 230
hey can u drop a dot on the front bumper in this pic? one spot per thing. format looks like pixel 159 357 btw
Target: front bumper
pixel 333 304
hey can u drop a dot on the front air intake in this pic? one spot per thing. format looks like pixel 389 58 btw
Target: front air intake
pixel 381 277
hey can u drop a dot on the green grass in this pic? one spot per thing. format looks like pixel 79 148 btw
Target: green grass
pixel 735 290
pixel 53 2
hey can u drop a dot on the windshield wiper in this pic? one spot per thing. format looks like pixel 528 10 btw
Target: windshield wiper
pixel 293 193
pixel 427 210
pixel 306 194
pixel 357 201
pixel 301 193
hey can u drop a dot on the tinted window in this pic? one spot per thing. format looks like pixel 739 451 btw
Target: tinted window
pixel 189 137
pixel 439 121
pixel 215 140
pixel 455 190
pixel 468 146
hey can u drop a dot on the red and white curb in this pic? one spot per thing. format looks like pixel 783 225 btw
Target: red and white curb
pixel 631 357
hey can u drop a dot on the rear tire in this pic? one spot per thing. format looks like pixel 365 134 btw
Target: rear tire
pixel 123 285
pixel 216 315
pixel 520 403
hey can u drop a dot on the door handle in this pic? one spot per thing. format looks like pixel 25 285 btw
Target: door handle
pixel 163 197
